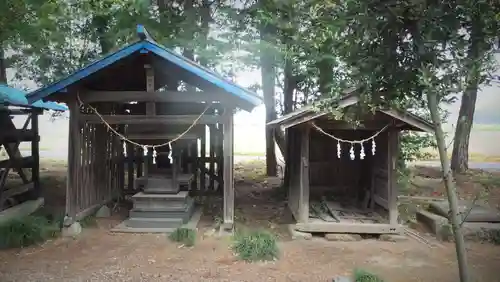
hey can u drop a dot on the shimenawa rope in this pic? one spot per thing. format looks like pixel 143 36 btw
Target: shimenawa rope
pixel 124 138
pixel 350 141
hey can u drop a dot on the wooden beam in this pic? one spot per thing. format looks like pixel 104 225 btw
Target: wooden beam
pixel 150 88
pixel 35 153
pixel 156 96
pixel 341 227
pixel 304 176
pixel 145 119
pixel 393 144
pixel 73 159
pixel 228 135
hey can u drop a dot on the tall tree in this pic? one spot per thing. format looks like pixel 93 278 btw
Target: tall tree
pixel 481 25
pixel 405 51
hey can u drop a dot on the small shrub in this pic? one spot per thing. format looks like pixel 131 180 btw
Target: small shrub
pixel 256 246
pixel 361 275
pixel 26 231
pixel 185 236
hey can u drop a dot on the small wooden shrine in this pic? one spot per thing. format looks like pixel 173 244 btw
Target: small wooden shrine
pixel 13 103
pixel 342 179
pixel 163 108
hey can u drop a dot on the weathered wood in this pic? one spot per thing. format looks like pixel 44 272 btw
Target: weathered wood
pixel 341 227
pixel 228 170
pixel 130 166
pixel 202 160
pixel 73 156
pixel 392 155
pixel 145 119
pixel 211 165
pixel 157 96
pixel 161 136
pixel 304 176
pixel 150 88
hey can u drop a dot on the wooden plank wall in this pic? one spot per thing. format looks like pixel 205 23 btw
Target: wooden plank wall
pixel 95 163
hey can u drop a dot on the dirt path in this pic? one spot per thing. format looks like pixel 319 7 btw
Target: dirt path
pixel 99 255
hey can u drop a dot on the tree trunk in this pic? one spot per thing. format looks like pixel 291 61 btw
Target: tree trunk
pixel 454 217
pixel 460 155
pixel 465 120
pixel 268 74
pixel 3 66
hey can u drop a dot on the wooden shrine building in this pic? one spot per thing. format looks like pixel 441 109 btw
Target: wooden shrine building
pixel 163 108
pixel 342 179
pixel 14 103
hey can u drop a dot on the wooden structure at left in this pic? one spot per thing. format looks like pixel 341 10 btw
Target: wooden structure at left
pixel 340 178
pixel 13 103
pixel 147 95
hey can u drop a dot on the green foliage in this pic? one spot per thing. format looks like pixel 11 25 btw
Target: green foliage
pixel 361 275
pixel 185 236
pixel 26 231
pixel 256 246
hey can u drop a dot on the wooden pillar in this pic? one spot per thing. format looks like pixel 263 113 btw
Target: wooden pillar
pixel 203 157
pixel 130 165
pixel 35 154
pixel 150 110
pixel 228 171
pixel 72 182
pixel 392 155
pixel 304 175
pixel 139 157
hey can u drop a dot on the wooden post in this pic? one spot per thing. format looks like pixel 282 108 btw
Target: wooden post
pixel 304 175
pixel 150 111
pixel 203 157
pixel 130 165
pixel 35 154
pixel 392 154
pixel 228 171
pixel 73 160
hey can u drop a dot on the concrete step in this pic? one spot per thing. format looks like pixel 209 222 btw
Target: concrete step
pixel 154 222
pixel 142 200
pixel 162 190
pixel 184 213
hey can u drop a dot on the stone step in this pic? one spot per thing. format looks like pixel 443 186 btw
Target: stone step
pixel 182 179
pixel 162 190
pixel 143 200
pixel 184 215
pixel 154 222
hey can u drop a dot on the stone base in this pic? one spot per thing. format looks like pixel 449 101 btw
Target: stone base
pixel 103 212
pixel 343 237
pixel 191 224
pixel 298 235
pixel 72 231
pixel 393 238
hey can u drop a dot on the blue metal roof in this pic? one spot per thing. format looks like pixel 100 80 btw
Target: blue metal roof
pixel 10 95
pixel 14 97
pixel 147 43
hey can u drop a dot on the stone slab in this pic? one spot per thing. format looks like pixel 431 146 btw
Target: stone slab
pixel 477 213
pixel 440 227
pixel 343 237
pixel 191 224
pixel 142 195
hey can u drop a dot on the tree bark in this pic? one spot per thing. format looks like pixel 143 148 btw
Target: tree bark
pixel 454 217
pixel 268 74
pixel 3 66
pixel 465 120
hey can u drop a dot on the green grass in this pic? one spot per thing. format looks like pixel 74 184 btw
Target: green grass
pixel 256 246
pixel 26 231
pixel 361 275
pixel 185 236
